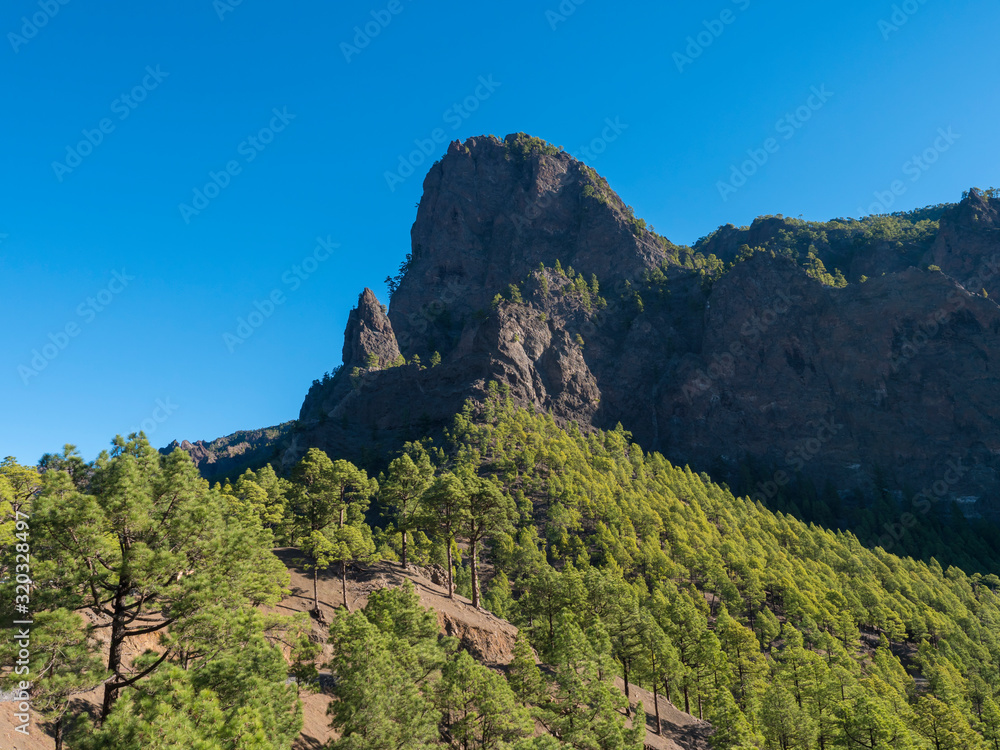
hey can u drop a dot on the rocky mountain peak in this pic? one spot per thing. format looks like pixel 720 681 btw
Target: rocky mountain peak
pixel 848 358
pixel 967 246
pixel 492 211
pixel 369 333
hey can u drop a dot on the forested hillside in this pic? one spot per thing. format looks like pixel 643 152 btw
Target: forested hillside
pixel 613 562
pixel 836 370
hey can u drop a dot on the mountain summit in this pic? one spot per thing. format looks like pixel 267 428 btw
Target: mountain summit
pixel 851 360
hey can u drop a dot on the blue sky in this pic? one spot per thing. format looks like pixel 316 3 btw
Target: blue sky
pixel 118 301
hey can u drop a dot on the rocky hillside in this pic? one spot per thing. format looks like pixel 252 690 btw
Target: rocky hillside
pixel 856 357
pixel 233 454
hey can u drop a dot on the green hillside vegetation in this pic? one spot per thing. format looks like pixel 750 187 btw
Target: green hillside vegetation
pixel 612 561
pixel 837 243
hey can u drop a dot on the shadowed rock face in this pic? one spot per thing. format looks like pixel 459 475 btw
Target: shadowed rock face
pixel 894 377
pixel 488 216
pixel 891 382
pixel 968 244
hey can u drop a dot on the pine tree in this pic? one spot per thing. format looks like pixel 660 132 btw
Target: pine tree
pixel 147 547
pixel 379 706
pixel 69 461
pixel 325 492
pixel 524 677
pixel 487 512
pixel 871 721
pixel 767 627
pixel 445 510
pixel 731 728
pixel 991 723
pixel 785 725
pixel 252 503
pixel 343 544
pixel 659 662
pixel 8 521
pixel 498 598
pixel 478 708
pixel 64 662
pixel 626 628
pixel 543 600
pixel 944 727
pixel 584 709
pixel 402 488
pixel 742 653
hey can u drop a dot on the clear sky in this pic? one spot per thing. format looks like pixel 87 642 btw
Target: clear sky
pixel 300 119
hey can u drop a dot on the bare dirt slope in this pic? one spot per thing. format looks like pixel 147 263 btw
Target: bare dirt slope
pixel 486 637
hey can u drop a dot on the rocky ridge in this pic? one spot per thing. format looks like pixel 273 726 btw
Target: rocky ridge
pixel 528 270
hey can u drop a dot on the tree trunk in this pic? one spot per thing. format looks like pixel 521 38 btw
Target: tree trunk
pixel 656 702
pixel 451 576
pixel 115 651
pixel 687 702
pixel 59 733
pixel 404 550
pixel 343 583
pixel 475 575
pixel 628 697
pixel 315 587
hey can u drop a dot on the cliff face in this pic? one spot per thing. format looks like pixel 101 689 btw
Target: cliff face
pixel 763 377
pixel 968 244
pixel 894 379
pixel 491 212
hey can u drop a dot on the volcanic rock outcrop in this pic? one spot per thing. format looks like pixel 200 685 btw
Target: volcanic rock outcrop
pixel 527 269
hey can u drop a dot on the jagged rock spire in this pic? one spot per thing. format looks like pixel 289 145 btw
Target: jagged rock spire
pixel 369 332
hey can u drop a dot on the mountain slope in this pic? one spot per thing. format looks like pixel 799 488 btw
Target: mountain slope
pixel 749 356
